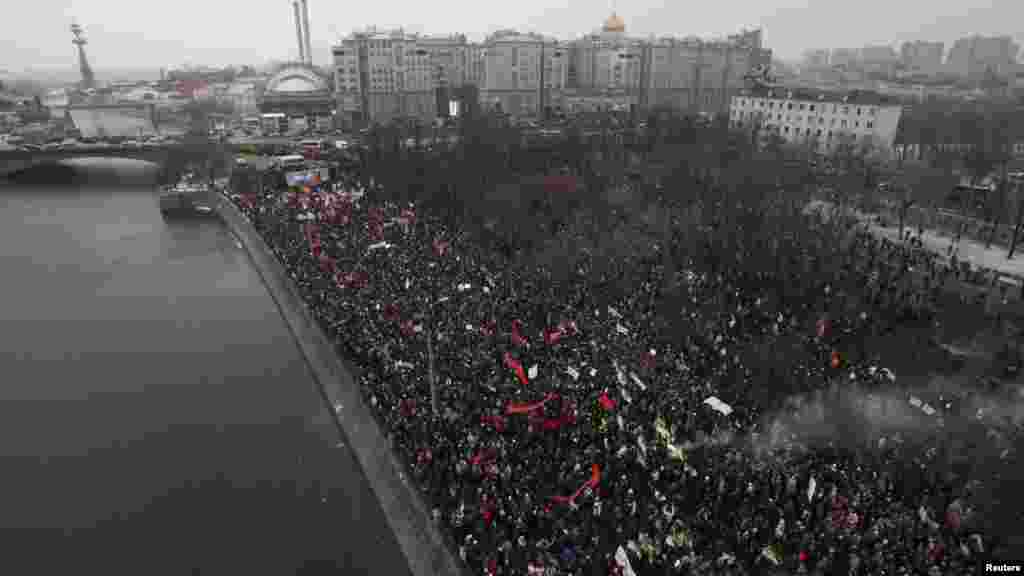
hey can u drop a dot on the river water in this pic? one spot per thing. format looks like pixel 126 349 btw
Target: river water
pixel 155 415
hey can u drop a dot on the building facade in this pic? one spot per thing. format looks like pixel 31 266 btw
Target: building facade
pixel 297 97
pixel 879 59
pixel 971 57
pixel 922 57
pixel 524 75
pixel 380 76
pixel 816 59
pixel 688 74
pixel 383 76
pixel 822 120
pixel 845 57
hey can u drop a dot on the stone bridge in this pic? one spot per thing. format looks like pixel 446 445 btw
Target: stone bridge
pixel 171 159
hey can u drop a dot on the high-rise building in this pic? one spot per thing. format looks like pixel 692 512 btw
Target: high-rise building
pixel 973 56
pixel 922 57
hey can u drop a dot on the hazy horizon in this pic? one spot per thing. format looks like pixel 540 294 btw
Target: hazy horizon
pixel 205 33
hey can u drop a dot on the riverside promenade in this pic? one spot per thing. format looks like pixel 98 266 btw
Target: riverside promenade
pixel 406 513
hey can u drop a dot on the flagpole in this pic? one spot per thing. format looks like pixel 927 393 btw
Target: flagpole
pixel 435 401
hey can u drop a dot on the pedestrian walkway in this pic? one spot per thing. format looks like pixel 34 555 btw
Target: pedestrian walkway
pixel 967 250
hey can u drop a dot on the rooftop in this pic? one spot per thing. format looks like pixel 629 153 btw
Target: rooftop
pixel 800 93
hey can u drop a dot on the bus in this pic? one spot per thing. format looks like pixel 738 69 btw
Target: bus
pixel 290 161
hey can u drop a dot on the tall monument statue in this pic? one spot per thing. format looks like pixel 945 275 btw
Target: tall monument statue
pixel 88 80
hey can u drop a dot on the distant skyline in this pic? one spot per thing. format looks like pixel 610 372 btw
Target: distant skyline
pixel 153 35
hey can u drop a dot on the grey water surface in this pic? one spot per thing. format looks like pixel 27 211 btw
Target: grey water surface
pixel 155 415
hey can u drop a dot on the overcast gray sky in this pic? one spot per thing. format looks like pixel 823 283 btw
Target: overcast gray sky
pixel 169 33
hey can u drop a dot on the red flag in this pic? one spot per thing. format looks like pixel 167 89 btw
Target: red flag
pixel 517 335
pixel 823 327
pixel 488 327
pixel 391 312
pixel 552 335
pixel 936 551
pixel 498 422
pixel 606 402
pixel 407 408
pixel 492 567
pixel 483 457
pixel 592 483
pixel 441 247
pixel 836 361
pixel 376 232
pixel 407 217
pixel 568 327
pixel 516 367
pixel 353 280
pixel 521 408
pixel 407 328
pixel 312 232
pixel 649 360
pixel 953 520
pixel 327 264
pixel 249 200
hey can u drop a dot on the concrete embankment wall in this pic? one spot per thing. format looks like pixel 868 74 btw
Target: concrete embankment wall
pixel 403 506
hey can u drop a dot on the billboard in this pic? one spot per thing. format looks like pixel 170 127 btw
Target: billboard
pixel 308 177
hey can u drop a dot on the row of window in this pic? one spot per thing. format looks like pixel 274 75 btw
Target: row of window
pixel 796 132
pixel 812 107
pixel 749 114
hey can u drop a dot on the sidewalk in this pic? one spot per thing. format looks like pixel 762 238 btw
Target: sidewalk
pixel 967 250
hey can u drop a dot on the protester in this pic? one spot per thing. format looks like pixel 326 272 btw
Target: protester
pixel 572 438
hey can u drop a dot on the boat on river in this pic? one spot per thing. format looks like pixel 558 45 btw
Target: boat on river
pixel 187 198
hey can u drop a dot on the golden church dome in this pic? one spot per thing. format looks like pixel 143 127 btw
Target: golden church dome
pixel 614 24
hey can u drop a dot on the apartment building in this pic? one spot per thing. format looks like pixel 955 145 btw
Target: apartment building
pixel 815 59
pixel 973 56
pixel 523 73
pixel 690 74
pixel 821 119
pixel 384 75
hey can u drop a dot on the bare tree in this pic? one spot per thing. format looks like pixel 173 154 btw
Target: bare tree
pixel 1018 221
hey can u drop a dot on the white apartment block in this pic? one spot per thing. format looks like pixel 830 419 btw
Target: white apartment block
pixel 820 119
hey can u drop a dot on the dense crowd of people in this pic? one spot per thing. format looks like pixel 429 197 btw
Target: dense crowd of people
pixel 553 432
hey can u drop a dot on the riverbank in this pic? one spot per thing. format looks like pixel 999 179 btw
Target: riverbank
pixel 403 507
